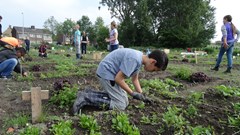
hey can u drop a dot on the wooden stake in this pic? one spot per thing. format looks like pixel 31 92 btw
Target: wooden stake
pixel 35 95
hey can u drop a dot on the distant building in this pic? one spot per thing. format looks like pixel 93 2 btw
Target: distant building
pixel 35 35
pixel 8 32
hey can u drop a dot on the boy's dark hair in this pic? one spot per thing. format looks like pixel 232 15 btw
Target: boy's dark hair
pixel 21 50
pixel 161 58
pixel 0 17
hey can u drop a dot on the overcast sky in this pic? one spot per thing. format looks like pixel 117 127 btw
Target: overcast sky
pixel 36 12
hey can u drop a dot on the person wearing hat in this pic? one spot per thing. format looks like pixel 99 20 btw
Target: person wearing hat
pixel 9 57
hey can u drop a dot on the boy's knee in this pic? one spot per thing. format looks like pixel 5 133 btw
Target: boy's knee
pixel 13 61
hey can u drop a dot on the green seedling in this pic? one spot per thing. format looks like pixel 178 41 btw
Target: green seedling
pixel 191 111
pixel 195 98
pixel 63 128
pixel 141 105
pixel 227 91
pixel 173 117
pixel 153 119
pixel 65 97
pixel 30 130
pixel 234 121
pixel 183 73
pixel 199 130
pixel 236 107
pixel 121 123
pixel 90 123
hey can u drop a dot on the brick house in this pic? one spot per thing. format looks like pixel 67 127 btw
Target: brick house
pixel 8 32
pixel 35 35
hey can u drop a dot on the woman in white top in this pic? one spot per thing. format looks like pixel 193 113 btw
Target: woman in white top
pixel 113 40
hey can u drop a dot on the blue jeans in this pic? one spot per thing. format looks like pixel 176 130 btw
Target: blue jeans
pixel 229 52
pixel 113 47
pixel 7 66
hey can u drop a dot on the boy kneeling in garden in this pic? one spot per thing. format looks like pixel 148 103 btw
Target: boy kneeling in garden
pixel 9 55
pixel 112 72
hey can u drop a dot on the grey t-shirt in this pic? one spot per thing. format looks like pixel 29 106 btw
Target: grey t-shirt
pixel 127 60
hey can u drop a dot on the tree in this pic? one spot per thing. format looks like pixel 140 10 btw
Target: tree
pixel 66 28
pixel 85 23
pixel 186 23
pixel 51 25
pixel 101 32
pixel 170 23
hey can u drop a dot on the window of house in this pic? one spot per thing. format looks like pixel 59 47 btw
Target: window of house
pixel 39 36
pixel 31 35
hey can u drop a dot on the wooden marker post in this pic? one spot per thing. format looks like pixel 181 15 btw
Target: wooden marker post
pixel 35 95
pixel 196 58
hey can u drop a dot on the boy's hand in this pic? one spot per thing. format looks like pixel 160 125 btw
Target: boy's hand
pixel 25 74
pixel 138 96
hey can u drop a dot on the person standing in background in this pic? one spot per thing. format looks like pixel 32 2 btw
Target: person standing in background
pixel 77 36
pixel 84 42
pixel 0 27
pixel 27 43
pixel 228 40
pixel 113 40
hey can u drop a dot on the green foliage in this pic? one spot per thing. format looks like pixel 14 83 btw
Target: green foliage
pixel 227 91
pixel 236 107
pixel 183 73
pixel 51 25
pixel 166 88
pixel 234 121
pixel 195 98
pixel 153 119
pixel 65 97
pixel 199 130
pixel 121 123
pixel 173 83
pixel 173 118
pixel 209 50
pixel 63 128
pixel 141 105
pixel 88 122
pixel 191 111
pixel 178 28
pixel 19 120
pixel 30 130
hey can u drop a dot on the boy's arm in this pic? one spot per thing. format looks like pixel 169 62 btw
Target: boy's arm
pixel 136 83
pixel 120 80
pixel 18 69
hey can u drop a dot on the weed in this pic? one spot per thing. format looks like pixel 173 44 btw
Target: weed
pixel 19 120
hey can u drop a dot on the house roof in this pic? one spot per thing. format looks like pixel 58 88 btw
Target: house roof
pixel 32 30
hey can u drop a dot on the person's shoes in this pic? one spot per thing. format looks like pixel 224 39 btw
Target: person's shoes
pixel 215 68
pixel 79 103
pixel 5 77
pixel 227 71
